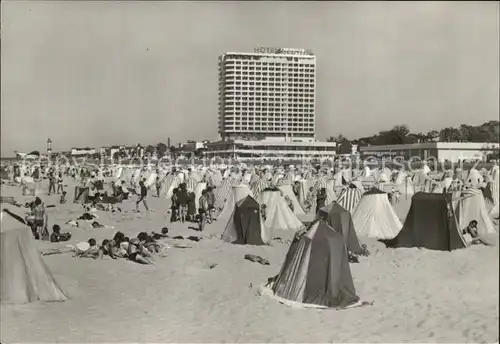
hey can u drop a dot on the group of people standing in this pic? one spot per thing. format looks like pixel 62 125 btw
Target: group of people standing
pixel 184 206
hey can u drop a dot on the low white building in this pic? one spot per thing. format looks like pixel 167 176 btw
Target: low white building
pixel 440 151
pixel 82 151
pixel 271 149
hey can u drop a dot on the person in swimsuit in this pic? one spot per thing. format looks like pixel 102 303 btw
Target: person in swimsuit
pixel 39 218
pixel 182 200
pixel 471 236
pixel 52 183
pixel 203 202
pixel 142 197
pixel 60 181
pixel 137 252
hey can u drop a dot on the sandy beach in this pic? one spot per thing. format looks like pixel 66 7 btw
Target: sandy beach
pixel 210 293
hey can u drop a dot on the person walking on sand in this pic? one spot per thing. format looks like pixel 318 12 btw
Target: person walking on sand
pixel 203 201
pixel 52 183
pixel 60 181
pixel 182 201
pixel 142 197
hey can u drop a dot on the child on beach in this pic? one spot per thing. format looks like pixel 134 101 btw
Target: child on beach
pixel 57 236
pixel 63 200
pixel 263 212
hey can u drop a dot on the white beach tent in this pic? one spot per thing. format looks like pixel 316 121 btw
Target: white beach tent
pixel 374 216
pixel 24 277
pixel 288 191
pixel 279 216
pixel 472 206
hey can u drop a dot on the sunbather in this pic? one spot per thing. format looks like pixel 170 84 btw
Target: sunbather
pixel 92 252
pixel 471 236
pixel 138 253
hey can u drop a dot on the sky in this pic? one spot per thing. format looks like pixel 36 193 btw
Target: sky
pixel 101 73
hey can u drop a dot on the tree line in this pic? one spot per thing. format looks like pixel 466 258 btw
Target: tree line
pixel 400 134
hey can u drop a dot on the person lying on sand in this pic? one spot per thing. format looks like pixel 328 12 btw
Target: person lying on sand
pixel 157 236
pixel 150 244
pixel 471 236
pixel 138 253
pixel 112 249
pixel 92 252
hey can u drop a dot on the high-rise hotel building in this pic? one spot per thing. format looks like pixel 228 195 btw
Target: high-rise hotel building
pixel 267 107
pixel 269 93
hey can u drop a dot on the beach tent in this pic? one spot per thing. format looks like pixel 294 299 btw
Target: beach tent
pixel 474 178
pixel 237 193
pixel 303 190
pixel 288 191
pixel 431 223
pixel 83 197
pixel 349 197
pixel 197 193
pixel 374 216
pixel 278 213
pixel 24 277
pixel 340 219
pixel 473 207
pixel 316 270
pixel 168 184
pixel 245 226
pixel 223 191
pixel 495 211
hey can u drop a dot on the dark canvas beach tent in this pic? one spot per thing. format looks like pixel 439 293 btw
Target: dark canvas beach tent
pixel 316 269
pixel 431 223
pixel 245 227
pixel 341 220
pixel 24 277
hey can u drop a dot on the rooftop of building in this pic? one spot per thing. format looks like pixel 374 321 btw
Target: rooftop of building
pixel 432 145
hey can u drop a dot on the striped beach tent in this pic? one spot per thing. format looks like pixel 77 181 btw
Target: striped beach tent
pixel 320 183
pixel 259 186
pixel 349 198
pixel 191 183
pixel 223 191
pixel 495 182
